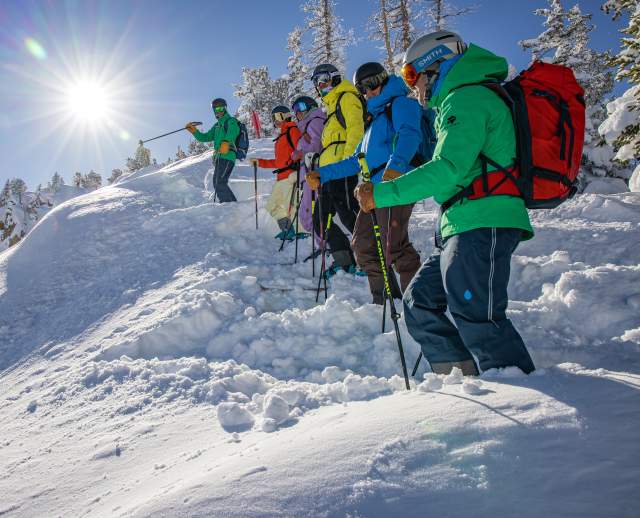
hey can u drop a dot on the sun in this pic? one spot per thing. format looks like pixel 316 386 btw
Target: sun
pixel 87 101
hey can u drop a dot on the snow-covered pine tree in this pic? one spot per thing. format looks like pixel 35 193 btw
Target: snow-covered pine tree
pixel 10 225
pixel 400 16
pixel 115 174
pixel 18 187
pixel 329 38
pixel 380 29
pixel 621 129
pixel 77 179
pixel 297 69
pixel 441 14
pixel 141 159
pixel 565 41
pixel 180 154
pixel 55 183
pixel 196 148
pixel 260 93
pixel 92 181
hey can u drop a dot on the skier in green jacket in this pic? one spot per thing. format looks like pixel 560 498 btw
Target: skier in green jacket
pixel 469 271
pixel 223 134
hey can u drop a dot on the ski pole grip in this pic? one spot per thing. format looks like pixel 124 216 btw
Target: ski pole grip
pixel 364 168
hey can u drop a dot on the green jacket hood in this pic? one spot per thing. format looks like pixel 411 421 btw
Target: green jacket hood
pixel 476 65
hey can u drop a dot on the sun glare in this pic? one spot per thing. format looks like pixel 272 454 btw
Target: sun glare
pixel 88 102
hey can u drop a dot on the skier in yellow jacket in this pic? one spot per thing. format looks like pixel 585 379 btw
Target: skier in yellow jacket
pixel 342 133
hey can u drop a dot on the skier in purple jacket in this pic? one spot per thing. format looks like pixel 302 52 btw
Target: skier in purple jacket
pixel 311 121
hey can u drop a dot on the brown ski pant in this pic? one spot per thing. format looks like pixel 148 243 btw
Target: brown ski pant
pixel 399 252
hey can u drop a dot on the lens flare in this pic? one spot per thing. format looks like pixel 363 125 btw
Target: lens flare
pixel 35 49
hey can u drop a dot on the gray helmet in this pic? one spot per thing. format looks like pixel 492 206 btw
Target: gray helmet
pixel 326 72
pixel 433 48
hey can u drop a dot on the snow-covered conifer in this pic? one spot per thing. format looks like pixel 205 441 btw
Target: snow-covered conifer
pixel 297 69
pixel 92 181
pixel 180 154
pixel 621 129
pixel 55 183
pixel 115 174
pixel 18 187
pixel 196 147
pixel 77 179
pixel 329 38
pixel 565 41
pixel 441 14
pixel 258 92
pixel 141 159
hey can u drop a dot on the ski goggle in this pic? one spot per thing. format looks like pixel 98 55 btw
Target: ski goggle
pixel 219 109
pixel 300 106
pixel 410 74
pixel 372 82
pixel 281 116
pixel 321 78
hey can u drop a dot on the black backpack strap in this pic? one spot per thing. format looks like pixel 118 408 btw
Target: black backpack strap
pixel 287 134
pixel 225 127
pixel 338 111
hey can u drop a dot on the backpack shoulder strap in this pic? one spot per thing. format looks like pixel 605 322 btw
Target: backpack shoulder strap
pixel 289 139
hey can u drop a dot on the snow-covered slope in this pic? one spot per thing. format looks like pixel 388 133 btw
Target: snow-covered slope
pixel 146 372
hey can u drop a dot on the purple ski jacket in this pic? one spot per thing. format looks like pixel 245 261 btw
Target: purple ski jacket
pixel 310 142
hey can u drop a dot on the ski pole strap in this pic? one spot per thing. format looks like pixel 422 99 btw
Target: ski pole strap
pixel 295 166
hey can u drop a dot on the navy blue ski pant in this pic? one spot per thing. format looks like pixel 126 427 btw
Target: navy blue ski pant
pixel 469 276
pixel 221 175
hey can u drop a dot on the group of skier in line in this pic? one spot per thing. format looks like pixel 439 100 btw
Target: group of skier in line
pixel 420 135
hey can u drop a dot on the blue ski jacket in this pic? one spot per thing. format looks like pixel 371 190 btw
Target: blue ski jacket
pixel 387 143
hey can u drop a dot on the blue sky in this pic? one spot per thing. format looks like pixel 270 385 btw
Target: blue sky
pixel 161 63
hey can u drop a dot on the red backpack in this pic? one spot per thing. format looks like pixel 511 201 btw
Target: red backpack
pixel 548 111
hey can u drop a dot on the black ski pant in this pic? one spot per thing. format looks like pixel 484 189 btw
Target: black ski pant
pixel 469 276
pixel 221 174
pixel 337 198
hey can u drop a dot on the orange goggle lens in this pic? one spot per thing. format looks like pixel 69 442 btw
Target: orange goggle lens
pixel 409 74
pixel 281 117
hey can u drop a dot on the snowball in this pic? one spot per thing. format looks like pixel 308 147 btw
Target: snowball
pixel 455 377
pixel 275 408
pixel 232 415
pixel 432 382
pixel 472 387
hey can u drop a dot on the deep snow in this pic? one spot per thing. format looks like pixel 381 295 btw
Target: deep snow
pixel 145 372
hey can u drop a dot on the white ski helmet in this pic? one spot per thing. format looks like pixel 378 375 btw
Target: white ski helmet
pixel 431 48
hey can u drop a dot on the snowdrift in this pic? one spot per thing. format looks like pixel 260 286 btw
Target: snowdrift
pixel 147 371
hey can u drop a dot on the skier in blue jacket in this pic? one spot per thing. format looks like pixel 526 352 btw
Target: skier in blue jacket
pixel 392 144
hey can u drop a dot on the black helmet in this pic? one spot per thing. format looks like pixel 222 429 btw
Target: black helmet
pixel 281 113
pixel 218 102
pixel 369 76
pixel 325 73
pixel 303 103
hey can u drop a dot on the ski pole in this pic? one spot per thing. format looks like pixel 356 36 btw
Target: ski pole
pixel 366 176
pixel 290 225
pixel 215 178
pixel 415 367
pixel 388 252
pixel 255 190
pixel 299 199
pixel 313 235
pixel 170 133
pixel 323 263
